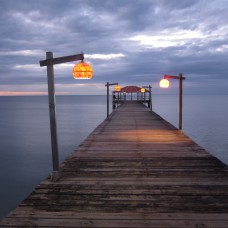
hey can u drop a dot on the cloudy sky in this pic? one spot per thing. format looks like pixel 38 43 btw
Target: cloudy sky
pixel 133 42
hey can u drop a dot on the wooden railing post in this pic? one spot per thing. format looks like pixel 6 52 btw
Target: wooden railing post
pixel 107 85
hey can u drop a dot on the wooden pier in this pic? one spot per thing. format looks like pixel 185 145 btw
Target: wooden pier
pixel 135 170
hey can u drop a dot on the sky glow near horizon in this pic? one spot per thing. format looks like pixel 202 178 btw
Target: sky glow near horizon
pixel 132 42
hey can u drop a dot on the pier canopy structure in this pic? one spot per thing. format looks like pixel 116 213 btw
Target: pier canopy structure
pixel 132 93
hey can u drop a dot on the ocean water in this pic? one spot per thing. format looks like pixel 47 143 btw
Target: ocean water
pixel 204 119
pixel 25 145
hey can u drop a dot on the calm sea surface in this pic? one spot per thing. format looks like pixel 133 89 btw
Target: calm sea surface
pixel 25 147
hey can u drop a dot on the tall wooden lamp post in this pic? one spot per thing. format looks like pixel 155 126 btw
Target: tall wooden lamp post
pixel 81 71
pixel 164 83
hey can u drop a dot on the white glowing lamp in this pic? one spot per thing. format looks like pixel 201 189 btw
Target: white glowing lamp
pixel 164 83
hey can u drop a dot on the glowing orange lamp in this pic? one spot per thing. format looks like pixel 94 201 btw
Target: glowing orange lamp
pixel 118 88
pixel 143 90
pixel 82 71
pixel 164 83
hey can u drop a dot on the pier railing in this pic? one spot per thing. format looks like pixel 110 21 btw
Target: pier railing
pixel 118 98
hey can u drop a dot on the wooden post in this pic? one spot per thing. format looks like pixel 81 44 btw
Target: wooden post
pixel 180 78
pixel 150 97
pixel 114 101
pixel 107 100
pixel 109 84
pixel 50 62
pixel 52 112
pixel 180 100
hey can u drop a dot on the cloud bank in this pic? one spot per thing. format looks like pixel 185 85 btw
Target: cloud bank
pixel 127 41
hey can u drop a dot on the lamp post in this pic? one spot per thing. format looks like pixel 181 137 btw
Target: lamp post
pixel 164 83
pixel 50 62
pixel 107 85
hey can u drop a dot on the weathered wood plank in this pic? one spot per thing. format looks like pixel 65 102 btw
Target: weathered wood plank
pixel 118 223
pixel 134 223
pixel 32 212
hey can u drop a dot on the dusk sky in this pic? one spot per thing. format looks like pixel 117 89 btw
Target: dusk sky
pixel 133 42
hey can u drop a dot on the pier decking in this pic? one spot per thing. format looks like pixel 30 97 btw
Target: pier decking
pixel 135 170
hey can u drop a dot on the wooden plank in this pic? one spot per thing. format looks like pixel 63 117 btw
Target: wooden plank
pixel 22 212
pixel 134 223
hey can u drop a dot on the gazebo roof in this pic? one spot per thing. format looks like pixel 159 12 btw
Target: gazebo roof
pixel 131 89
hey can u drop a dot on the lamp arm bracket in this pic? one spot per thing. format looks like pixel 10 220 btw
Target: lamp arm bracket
pixel 174 77
pixel 63 59
pixel 110 84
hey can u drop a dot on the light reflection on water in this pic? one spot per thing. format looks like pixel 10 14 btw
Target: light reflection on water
pixel 204 119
